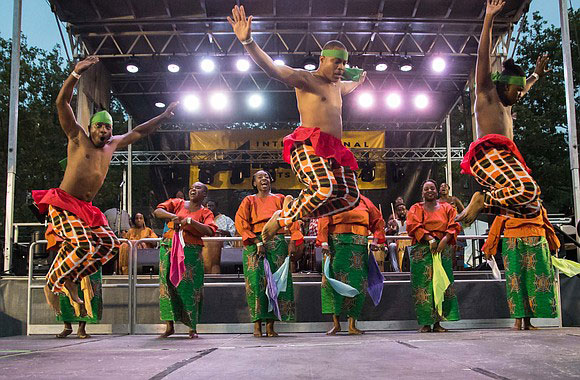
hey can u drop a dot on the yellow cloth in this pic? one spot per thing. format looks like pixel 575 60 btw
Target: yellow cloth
pixel 440 282
pixel 88 295
pixel 568 267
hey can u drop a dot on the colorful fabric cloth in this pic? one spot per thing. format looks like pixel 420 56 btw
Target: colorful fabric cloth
pixel 509 188
pixel 325 146
pixel 330 188
pixel 422 286
pixel 94 313
pixel 182 303
pixel 224 222
pixel 349 264
pixel 85 211
pixel 529 277
pixel 491 140
pixel 178 207
pixel 276 253
pixel 82 251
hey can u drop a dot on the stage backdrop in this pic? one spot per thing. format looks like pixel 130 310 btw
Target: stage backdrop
pixel 272 140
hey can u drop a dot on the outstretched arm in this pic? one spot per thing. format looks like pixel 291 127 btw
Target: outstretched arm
pixel 66 116
pixel 242 27
pixel 483 67
pixel 145 128
pixel 541 70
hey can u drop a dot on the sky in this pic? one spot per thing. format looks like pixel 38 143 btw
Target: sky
pixel 40 28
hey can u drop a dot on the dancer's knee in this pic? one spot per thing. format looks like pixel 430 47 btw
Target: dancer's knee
pixel 528 191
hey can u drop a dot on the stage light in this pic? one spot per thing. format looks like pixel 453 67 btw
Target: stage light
pixel 173 66
pixel 366 100
pixel 132 66
pixel 421 101
pixel 279 62
pixel 191 103
pixel 239 173
pixel 207 65
pixel 218 101
pixel 393 100
pixel 438 64
pixel 405 64
pixel 310 63
pixel 368 172
pixel 160 105
pixel 255 101
pixel 243 64
pixel 206 174
pixel 381 64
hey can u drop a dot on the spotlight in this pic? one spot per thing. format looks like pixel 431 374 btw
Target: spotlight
pixel 406 64
pixel 191 103
pixel 381 64
pixel 366 100
pixel 218 101
pixel 160 105
pixel 132 66
pixel 438 64
pixel 255 101
pixel 243 64
pixel 393 100
pixel 421 101
pixel 310 63
pixel 239 173
pixel 207 65
pixel 367 173
pixel 173 66
pixel 206 174
pixel 397 173
pixel 279 62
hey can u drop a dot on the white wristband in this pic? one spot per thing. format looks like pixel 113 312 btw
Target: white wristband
pixel 259 244
pixel 535 75
pixel 248 41
pixel 76 75
pixel 324 244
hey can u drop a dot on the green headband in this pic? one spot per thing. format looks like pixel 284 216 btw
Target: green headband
pixel 335 53
pixel 508 79
pixel 102 117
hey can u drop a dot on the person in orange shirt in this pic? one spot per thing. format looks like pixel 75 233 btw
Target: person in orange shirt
pixel 344 239
pixel 253 213
pixel 137 232
pixel 529 275
pixel 432 226
pixel 182 302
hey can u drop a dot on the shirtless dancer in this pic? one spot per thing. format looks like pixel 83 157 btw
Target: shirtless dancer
pixel 87 240
pixel 314 149
pixel 494 160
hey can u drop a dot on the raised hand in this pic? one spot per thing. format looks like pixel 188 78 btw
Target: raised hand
pixel 169 110
pixel 241 25
pixel 494 7
pixel 541 65
pixel 83 65
pixel 363 77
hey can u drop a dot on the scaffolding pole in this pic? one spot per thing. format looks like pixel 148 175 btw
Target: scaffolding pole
pixel 449 169
pixel 12 134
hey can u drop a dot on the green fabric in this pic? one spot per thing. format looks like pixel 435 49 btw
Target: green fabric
pixel 422 286
pixel 335 53
pixel 529 277
pixel 508 79
pixel 440 282
pixel 276 253
pixel 349 264
pixel 352 73
pixel 182 304
pixel 63 163
pixel 568 267
pixel 67 312
pixel 102 117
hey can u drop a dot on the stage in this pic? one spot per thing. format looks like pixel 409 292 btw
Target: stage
pixel 461 354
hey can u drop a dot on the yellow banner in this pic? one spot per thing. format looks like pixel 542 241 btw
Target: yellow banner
pixel 272 140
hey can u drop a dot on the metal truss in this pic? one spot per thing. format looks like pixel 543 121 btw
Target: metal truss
pixel 275 156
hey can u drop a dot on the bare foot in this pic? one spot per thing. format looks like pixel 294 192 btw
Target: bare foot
pixel 287 200
pixel 425 329
pixel 169 330
pixel 528 325
pixel 64 333
pixel 271 227
pixel 517 325
pixel 193 334
pixel 52 299
pixel 352 330
pixel 73 290
pixel 438 328
pixel 258 329
pixel 468 216
pixel 335 326
pixel 270 329
pixel 83 335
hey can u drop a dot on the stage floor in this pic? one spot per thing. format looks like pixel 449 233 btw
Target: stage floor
pixel 463 354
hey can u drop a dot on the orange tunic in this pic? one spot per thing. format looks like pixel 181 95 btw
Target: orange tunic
pixel 363 218
pixel 255 211
pixel 519 228
pixel 138 234
pixel 436 223
pixel 190 234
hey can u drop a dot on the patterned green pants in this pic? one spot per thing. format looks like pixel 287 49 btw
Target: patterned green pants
pixel 67 312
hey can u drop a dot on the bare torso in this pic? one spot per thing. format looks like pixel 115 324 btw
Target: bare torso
pixel 491 116
pixel 320 105
pixel 87 167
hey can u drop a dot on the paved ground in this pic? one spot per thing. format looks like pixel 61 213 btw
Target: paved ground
pixel 464 354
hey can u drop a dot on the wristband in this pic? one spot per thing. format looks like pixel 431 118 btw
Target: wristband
pixel 188 221
pixel 78 76
pixel 432 241
pixel 248 41
pixel 324 245
pixel 536 75
pixel 259 244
